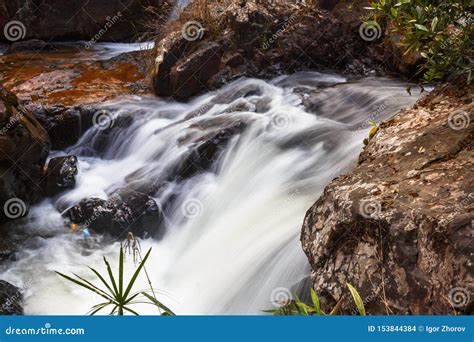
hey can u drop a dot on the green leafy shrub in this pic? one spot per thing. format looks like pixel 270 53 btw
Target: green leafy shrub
pixel 441 31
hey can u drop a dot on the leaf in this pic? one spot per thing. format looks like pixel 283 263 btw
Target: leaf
pixel 316 304
pixel 112 279
pixel 102 279
pixel 121 270
pixel 421 27
pixel 135 275
pixel 357 299
pixel 164 307
pixel 434 23
pixel 85 285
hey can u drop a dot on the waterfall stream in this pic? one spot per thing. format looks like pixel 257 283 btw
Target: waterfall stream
pixel 230 236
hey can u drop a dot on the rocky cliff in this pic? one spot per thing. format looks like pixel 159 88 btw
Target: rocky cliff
pixel 400 226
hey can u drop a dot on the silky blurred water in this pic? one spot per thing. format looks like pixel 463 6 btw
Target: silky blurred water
pixel 231 234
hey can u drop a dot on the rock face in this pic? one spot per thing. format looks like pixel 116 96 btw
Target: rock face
pixel 65 125
pixel 74 20
pixel 24 147
pixel 400 226
pixel 10 299
pixel 60 175
pixel 252 39
pixel 126 210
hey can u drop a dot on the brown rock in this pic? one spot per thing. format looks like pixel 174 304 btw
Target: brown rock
pixel 399 227
pixel 80 19
pixel 24 147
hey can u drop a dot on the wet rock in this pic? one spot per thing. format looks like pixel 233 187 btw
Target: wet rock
pixel 72 78
pixel 24 147
pixel 204 153
pixel 78 20
pixel 65 125
pixel 253 39
pixel 11 299
pixel 399 227
pixel 60 175
pixel 125 210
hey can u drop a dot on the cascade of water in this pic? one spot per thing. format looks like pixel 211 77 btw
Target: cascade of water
pixel 231 233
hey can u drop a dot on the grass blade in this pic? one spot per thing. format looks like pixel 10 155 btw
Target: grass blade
pixel 159 304
pixel 121 271
pixel 135 275
pixel 316 304
pixel 357 299
pixel 112 279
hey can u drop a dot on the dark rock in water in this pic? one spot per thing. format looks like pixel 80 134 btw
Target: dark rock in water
pixel 202 155
pixel 65 125
pixel 60 175
pixel 125 211
pixel 24 147
pixel 11 299
pixel 32 45
pixel 399 227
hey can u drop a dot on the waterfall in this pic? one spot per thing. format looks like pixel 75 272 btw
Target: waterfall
pixel 230 234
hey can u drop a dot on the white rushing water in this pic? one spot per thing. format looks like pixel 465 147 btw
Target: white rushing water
pixel 231 233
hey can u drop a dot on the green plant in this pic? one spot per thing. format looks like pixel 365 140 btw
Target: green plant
pixel 116 294
pixel 296 307
pixel 442 32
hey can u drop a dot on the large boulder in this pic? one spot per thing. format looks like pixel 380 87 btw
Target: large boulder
pixel 74 20
pixel 24 147
pixel 125 211
pixel 248 38
pixel 399 227
pixel 11 299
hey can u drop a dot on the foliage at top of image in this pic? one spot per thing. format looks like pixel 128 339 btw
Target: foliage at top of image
pixel 116 294
pixel 441 31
